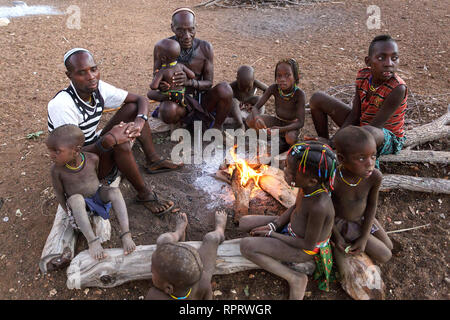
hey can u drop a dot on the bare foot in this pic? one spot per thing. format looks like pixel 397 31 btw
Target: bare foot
pixel 96 250
pixel 128 244
pixel 181 224
pixel 221 221
pixel 297 287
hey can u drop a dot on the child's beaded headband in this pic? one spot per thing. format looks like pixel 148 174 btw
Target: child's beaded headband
pixel 303 149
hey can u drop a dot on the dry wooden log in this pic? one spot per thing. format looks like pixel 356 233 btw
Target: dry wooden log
pixel 360 277
pixel 59 248
pixel 418 156
pixel 241 194
pixel 272 181
pixel 434 130
pixel 404 155
pixel 223 175
pixel 432 185
pixel 117 268
pixel 102 228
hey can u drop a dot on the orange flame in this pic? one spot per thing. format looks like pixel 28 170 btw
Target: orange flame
pixel 245 170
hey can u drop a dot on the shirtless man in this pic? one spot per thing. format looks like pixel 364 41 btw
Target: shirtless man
pixel 205 102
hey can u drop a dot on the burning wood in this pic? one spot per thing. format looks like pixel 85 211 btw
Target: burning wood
pixel 241 194
pixel 244 177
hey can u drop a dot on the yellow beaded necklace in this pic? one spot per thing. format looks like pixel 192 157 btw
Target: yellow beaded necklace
pixel 80 166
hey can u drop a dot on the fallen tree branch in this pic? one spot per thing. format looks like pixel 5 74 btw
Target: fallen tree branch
pixel 408 229
pixel 116 269
pixel 407 155
pixel 434 130
pixel 420 184
pixel 250 4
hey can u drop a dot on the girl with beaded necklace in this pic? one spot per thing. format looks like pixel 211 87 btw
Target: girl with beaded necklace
pixel 290 100
pixel 302 233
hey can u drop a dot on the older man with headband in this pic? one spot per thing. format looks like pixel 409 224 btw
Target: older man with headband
pixel 82 104
pixel 204 102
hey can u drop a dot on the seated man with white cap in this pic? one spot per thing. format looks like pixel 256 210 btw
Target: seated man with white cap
pixel 82 104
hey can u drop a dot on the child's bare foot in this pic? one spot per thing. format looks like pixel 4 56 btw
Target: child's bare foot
pixel 221 221
pixel 297 287
pixel 96 250
pixel 181 224
pixel 127 242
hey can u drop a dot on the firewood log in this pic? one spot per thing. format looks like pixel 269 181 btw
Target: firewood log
pixel 273 183
pixel 360 277
pixel 116 269
pixel 432 185
pixel 241 194
pixel 434 130
pixel 59 248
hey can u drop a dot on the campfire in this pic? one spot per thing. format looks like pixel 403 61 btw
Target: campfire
pixel 244 177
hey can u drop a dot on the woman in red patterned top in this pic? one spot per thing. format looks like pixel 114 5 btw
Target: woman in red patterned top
pixel 379 103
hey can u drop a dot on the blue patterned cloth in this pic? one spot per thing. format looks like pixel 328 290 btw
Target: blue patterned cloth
pixel 391 145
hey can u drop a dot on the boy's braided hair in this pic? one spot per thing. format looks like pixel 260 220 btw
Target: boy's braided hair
pixel 317 158
pixel 294 67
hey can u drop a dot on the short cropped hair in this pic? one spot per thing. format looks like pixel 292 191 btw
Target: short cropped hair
pixel 178 263
pixel 380 38
pixel 350 139
pixel 68 135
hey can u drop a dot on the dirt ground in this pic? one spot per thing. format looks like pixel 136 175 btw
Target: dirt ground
pixel 329 41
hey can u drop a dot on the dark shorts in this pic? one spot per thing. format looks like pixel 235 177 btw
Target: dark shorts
pixel 351 230
pixel 97 206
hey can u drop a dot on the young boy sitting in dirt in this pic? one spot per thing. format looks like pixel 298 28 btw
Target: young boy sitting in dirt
pixel 355 196
pixel 244 93
pixel 379 104
pixel 289 104
pixel 168 51
pixel 302 232
pixel 76 185
pixel 179 271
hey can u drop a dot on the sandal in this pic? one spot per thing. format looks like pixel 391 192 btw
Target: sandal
pixel 162 169
pixel 155 200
